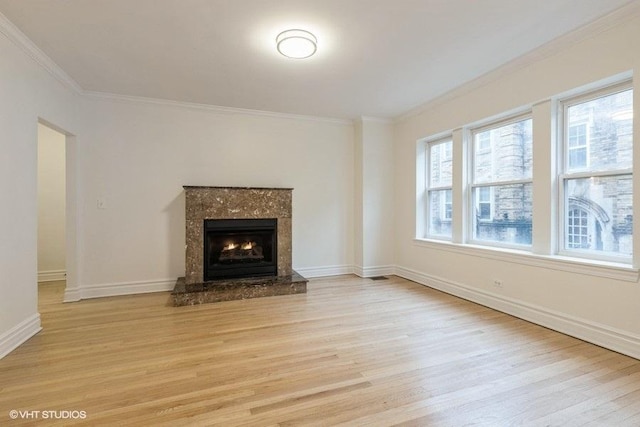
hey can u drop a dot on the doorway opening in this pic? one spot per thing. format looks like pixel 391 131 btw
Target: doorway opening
pixel 52 228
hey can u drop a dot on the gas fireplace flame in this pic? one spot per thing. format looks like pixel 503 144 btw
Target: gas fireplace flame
pixel 246 246
pixel 230 246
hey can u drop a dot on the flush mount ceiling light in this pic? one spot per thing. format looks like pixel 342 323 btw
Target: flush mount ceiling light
pixel 297 44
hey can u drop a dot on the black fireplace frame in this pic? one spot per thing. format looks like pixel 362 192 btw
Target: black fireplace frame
pixel 230 226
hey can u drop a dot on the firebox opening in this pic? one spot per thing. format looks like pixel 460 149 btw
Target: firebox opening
pixel 240 248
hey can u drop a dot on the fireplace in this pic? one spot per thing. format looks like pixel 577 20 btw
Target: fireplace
pixel 240 248
pixel 238 245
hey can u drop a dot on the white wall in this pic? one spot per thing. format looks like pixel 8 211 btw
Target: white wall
pixel 602 309
pixel 28 93
pixel 138 156
pixel 51 204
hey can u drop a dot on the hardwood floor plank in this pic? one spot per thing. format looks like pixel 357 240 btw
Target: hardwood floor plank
pixel 351 351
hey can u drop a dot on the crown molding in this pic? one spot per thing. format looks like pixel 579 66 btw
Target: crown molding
pixel 207 107
pixel 18 38
pixel 376 119
pixel 555 46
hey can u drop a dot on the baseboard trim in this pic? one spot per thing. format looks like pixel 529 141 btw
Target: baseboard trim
pixel 72 295
pixel 20 333
pixel 122 288
pixel 51 275
pixel 330 270
pixel 148 286
pixel 378 270
pixel 599 334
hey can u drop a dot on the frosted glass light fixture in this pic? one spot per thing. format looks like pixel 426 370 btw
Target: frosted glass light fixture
pixel 297 44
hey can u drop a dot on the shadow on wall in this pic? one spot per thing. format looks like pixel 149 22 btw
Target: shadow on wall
pixel 176 234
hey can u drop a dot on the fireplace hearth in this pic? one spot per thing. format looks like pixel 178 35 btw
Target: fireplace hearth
pixel 238 245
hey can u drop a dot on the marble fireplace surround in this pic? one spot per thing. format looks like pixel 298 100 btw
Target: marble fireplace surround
pixel 203 203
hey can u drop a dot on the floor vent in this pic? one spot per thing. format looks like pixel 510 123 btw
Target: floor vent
pixel 378 278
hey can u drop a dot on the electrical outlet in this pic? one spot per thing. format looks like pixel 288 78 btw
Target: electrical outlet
pixel 498 283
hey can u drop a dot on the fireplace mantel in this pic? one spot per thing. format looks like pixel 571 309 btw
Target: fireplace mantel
pixel 204 203
pixel 235 188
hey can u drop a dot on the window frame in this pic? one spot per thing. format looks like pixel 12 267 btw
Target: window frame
pixel 447 156
pixel 564 176
pixel 472 185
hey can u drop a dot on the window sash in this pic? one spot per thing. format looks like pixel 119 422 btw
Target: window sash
pixel 443 148
pixel 441 145
pixel 571 140
pixel 596 236
pixel 563 125
pixel 510 229
pixel 474 138
pixel 481 211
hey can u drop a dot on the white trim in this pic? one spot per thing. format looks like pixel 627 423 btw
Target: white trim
pixel 123 288
pixel 214 108
pixel 501 120
pixel 23 42
pixel 376 120
pixel 72 295
pixel 596 333
pixel 378 270
pixel 51 275
pixel 163 285
pixel 591 29
pixel 596 174
pixel 329 270
pixel 609 270
pixel 20 333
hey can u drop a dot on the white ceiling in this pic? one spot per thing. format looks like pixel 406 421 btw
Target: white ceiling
pixel 376 58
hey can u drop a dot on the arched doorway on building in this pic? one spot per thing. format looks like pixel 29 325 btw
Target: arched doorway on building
pixel 587 225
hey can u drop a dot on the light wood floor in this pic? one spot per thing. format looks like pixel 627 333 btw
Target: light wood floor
pixel 351 351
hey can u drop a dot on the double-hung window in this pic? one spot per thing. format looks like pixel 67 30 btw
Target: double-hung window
pixel 595 181
pixel 439 179
pixel 501 183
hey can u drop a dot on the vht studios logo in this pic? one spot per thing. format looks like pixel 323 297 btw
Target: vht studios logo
pixel 47 415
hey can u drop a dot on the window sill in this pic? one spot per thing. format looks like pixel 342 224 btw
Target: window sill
pixel 610 270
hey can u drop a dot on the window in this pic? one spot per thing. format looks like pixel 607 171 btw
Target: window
pixel 484 141
pixel 578 231
pixel 591 197
pixel 447 152
pixel 596 175
pixel 484 203
pixel 447 206
pixel 577 146
pixel 501 187
pixel 439 204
